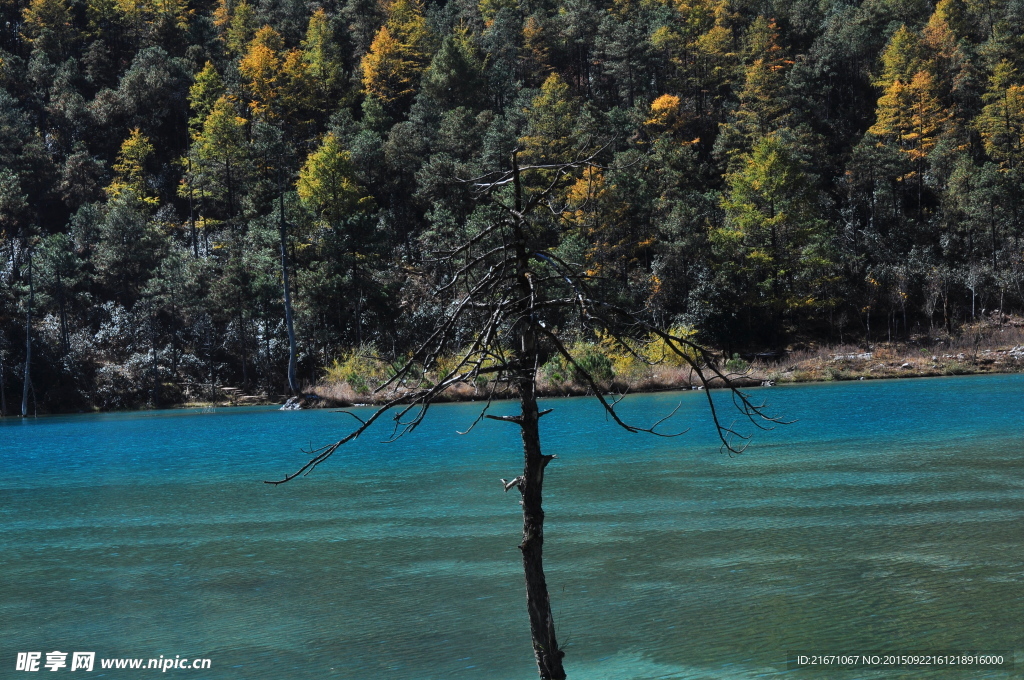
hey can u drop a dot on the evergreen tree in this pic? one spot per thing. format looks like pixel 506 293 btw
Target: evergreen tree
pixel 60 273
pixel 130 248
pixel 455 76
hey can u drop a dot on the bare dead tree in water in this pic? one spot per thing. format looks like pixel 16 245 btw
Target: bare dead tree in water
pixel 505 293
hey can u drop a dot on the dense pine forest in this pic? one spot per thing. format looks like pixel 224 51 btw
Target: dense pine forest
pixel 172 170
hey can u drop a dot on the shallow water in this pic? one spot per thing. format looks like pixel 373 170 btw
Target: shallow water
pixel 888 517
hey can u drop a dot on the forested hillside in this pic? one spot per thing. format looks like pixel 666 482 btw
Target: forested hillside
pixel 766 171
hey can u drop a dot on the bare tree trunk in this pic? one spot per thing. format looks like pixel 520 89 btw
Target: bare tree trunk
pixel 242 340
pixel 192 212
pixel 174 335
pixel 28 340
pixel 154 365
pixel 64 333
pixel 945 314
pixel 293 383
pixel 538 604
pixel 3 393
pixel 231 195
pixel 359 310
pixel 531 486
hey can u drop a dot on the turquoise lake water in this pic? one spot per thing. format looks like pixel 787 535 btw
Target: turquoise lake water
pixel 888 517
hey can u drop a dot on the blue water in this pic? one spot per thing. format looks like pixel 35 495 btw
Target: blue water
pixel 887 517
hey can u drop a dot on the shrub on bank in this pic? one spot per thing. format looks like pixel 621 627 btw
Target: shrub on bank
pixel 643 364
pixel 362 369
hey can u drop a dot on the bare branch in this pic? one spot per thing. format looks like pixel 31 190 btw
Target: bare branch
pixel 507 419
pixel 483 412
pixel 512 483
pixel 608 407
pixel 325 452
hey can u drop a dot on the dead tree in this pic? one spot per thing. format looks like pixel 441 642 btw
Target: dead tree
pixel 28 339
pixel 505 293
pixel 293 383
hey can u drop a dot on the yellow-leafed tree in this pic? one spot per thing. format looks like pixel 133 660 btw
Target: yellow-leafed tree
pixel 772 225
pixel 299 96
pixel 218 157
pixel 948 64
pixel 49 24
pixel 130 169
pixel 550 122
pixel 327 184
pixel 903 57
pixel 1001 122
pixel 237 25
pixel 203 94
pixel 387 74
pixel 261 69
pixel 399 53
pixel 321 56
pixel 911 115
pixel 763 105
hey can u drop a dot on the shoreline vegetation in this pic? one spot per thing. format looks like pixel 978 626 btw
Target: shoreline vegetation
pixel 995 345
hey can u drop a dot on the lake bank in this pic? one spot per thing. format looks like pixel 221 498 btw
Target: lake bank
pixel 1001 351
pixel 826 364
pixel 987 348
